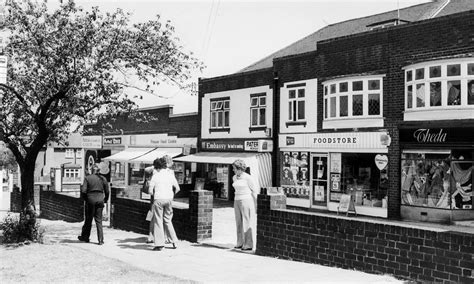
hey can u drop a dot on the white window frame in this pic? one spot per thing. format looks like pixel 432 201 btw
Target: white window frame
pixel 257 104
pixel 336 95
pixel 219 107
pixel 78 153
pixel 293 104
pixel 69 153
pixel 443 111
pixel 71 173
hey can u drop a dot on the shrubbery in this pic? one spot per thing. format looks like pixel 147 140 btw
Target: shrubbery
pixel 21 229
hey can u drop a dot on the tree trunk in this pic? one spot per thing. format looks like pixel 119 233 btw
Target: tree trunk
pixel 27 185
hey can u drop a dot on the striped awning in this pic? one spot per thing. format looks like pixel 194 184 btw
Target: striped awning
pixel 128 154
pixel 149 157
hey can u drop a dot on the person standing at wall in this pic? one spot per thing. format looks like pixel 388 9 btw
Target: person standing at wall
pixel 95 192
pixel 147 176
pixel 244 205
pixel 161 186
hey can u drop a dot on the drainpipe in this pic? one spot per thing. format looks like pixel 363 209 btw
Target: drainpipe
pixel 276 128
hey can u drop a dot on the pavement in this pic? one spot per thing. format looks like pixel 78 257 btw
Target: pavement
pixel 215 261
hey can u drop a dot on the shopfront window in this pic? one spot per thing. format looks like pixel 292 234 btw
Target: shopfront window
pixel 295 174
pixel 437 179
pixel 362 175
pixel 117 172
pixel 136 171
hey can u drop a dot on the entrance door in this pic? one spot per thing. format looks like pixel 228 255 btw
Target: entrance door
pixel 319 180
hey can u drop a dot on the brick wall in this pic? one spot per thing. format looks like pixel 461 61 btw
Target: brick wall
pixel 57 206
pixel 373 246
pixel 192 224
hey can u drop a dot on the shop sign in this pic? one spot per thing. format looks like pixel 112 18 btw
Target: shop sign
pixel 454 135
pixel 238 145
pixel 381 161
pixel 112 140
pixel 345 140
pixel 92 142
pixel 162 140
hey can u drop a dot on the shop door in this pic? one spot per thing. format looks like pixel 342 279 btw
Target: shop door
pixel 319 180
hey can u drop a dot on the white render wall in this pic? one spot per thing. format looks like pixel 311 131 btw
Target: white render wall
pixel 311 92
pixel 239 116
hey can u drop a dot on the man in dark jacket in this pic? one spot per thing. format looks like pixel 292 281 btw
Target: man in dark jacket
pixel 95 192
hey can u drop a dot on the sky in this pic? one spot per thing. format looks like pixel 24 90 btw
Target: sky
pixel 228 35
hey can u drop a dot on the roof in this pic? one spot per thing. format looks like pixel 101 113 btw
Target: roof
pixel 415 13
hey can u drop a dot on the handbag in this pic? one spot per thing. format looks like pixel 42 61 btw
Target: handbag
pixel 146 187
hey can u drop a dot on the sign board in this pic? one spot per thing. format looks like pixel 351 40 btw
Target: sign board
pixel 92 142
pixel 112 140
pixel 437 136
pixel 237 145
pixel 346 204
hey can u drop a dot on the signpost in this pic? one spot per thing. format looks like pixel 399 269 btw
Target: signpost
pixel 346 204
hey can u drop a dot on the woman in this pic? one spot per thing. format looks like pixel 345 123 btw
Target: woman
pixel 244 205
pixel 161 186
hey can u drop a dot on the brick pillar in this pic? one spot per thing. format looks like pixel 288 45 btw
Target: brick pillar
pixel 265 204
pixel 200 215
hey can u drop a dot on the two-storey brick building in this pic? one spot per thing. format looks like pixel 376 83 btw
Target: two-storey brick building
pixel 378 108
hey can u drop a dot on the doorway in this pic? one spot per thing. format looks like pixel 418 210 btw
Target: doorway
pixel 319 180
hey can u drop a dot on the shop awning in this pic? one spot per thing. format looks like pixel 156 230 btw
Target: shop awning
pixel 128 154
pixel 149 157
pixel 216 157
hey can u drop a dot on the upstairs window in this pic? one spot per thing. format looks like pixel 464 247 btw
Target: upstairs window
pixel 353 98
pixel 69 153
pixel 78 153
pixel 440 85
pixel 296 104
pixel 220 111
pixel 258 109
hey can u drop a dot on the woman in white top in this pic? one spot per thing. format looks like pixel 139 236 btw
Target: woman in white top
pixel 244 205
pixel 161 186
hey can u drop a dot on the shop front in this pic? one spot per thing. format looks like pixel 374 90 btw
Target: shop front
pixel 212 166
pixel 437 164
pixel 318 169
pixel 128 165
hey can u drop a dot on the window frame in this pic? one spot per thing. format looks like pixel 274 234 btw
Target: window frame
pixel 69 153
pixel 444 78
pixel 295 103
pixel 258 106
pixel 333 94
pixel 217 110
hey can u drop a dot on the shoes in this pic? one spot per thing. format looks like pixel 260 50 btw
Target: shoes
pixel 157 248
pixel 82 239
pixel 101 243
pixel 149 241
pixel 247 248
pixel 174 246
pixel 238 247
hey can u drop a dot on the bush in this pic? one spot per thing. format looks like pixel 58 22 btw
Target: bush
pixel 22 229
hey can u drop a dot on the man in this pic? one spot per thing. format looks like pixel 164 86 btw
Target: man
pixel 95 191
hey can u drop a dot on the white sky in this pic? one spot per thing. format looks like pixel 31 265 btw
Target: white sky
pixel 230 35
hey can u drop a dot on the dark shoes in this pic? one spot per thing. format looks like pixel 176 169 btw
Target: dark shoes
pixel 247 248
pixel 174 246
pixel 238 247
pixel 82 239
pixel 157 248
pixel 149 241
pixel 101 243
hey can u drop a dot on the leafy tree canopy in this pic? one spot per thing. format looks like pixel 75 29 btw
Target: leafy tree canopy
pixel 68 66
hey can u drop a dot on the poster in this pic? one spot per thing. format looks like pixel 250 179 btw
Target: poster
pixel 336 162
pixel 319 193
pixel 335 182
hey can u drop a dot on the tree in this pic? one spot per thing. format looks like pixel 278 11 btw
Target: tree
pixel 69 66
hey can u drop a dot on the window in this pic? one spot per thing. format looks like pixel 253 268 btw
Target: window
pixel 439 85
pixel 220 113
pixel 258 107
pixel 296 104
pixel 78 153
pixel 69 153
pixel 353 98
pixel 71 173
pixel 437 178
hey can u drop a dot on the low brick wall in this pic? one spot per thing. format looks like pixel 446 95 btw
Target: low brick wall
pixel 372 246
pixel 193 224
pixel 57 206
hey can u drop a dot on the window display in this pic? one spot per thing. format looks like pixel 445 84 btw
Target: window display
pixel 362 175
pixel 437 179
pixel 295 174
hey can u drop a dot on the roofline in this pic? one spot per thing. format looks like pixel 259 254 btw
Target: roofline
pixel 203 80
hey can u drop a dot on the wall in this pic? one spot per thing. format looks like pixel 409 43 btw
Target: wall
pixel 193 223
pixel 373 246
pixel 57 206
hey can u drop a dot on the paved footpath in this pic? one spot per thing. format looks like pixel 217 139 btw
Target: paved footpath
pixel 204 262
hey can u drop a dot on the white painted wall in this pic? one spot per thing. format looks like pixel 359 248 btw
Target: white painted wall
pixel 239 116
pixel 311 92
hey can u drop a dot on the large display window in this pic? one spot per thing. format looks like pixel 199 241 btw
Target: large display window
pixel 295 174
pixel 437 179
pixel 362 175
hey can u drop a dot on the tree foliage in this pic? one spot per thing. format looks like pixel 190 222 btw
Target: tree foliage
pixel 68 66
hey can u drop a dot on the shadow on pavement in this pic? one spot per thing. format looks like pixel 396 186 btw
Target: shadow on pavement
pixel 140 240
pixel 142 246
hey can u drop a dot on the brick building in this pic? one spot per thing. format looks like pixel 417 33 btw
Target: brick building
pixel 379 108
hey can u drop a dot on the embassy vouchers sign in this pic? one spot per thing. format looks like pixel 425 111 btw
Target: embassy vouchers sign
pixel 237 145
